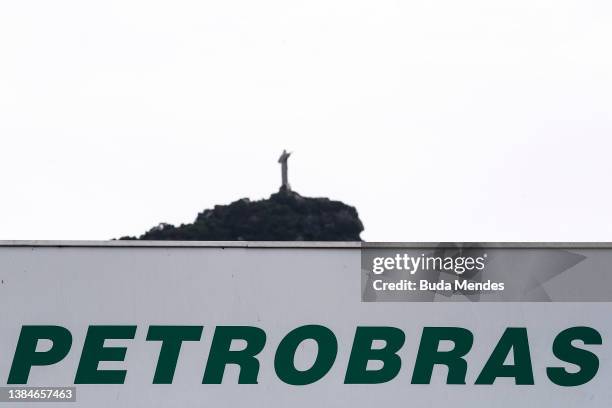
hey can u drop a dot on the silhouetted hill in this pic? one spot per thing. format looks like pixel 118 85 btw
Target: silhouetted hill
pixel 285 216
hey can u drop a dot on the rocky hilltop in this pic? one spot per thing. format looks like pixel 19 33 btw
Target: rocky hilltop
pixel 285 216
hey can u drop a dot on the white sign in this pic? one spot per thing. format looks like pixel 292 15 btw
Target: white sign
pixel 276 325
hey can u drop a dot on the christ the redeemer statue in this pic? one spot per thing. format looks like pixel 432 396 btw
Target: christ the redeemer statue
pixel 283 161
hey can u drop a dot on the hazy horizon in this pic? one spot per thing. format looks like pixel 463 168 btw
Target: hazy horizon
pixel 444 121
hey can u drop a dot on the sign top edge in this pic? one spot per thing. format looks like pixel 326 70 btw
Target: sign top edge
pixel 292 244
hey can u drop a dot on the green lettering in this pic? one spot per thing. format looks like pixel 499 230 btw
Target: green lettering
pixel 94 352
pixel 514 339
pixel 362 353
pixel 220 354
pixel 428 355
pixel 26 355
pixel 285 353
pixel 584 359
pixel 172 337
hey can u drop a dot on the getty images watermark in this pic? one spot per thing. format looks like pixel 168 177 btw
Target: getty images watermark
pixel 411 265
pixel 483 272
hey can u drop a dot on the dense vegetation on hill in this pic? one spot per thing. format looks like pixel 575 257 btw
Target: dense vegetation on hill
pixel 285 216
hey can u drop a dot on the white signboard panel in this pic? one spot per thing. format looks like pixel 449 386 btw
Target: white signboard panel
pixel 113 315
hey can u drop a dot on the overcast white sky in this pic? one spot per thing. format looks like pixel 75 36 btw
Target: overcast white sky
pixel 439 120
